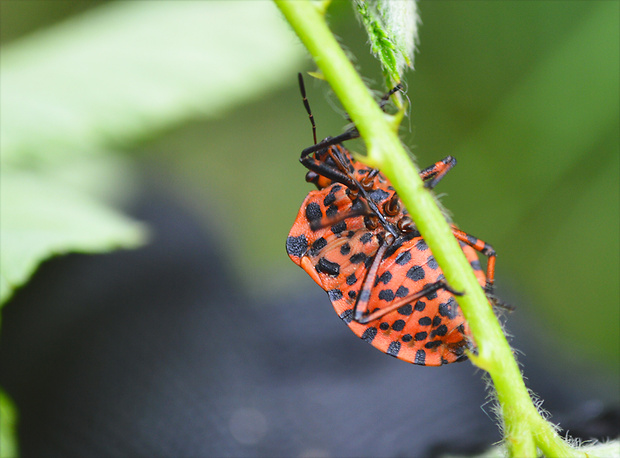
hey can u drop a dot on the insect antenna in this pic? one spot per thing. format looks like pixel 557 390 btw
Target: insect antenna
pixel 302 89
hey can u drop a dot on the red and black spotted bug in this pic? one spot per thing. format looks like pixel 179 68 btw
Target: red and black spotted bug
pixel 354 237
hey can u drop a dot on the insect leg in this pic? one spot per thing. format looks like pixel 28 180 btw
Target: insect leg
pixel 323 169
pixel 302 89
pixel 485 249
pixel 331 141
pixel 428 289
pixel 361 305
pixel 433 174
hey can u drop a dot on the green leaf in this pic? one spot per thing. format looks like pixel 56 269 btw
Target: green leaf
pixel 126 69
pixel 392 28
pixel 8 420
pixel 40 218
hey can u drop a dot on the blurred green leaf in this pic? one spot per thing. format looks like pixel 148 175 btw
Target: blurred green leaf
pixel 39 219
pixel 102 80
pixel 551 132
pixel 555 123
pixel 8 420
pixel 121 71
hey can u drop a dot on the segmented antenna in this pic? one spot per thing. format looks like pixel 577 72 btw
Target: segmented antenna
pixel 302 89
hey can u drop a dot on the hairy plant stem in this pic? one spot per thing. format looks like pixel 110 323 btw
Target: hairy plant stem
pixel 524 428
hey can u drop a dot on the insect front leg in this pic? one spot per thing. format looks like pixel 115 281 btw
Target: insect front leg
pixel 336 171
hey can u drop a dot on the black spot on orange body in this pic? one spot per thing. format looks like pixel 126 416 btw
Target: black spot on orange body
pixel 334 294
pixel 403 259
pixel 317 246
pixel 314 212
pixel 347 316
pixel 422 335
pixel 432 344
pixel 416 273
pixel 402 291
pixel 331 211
pixel 369 335
pixel 296 246
pixel 329 199
pixel 432 263
pixel 441 330
pixel 384 278
pixel 358 258
pixel 339 227
pixel 328 267
pixel 393 348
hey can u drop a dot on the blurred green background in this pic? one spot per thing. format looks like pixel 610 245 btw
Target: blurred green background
pixel 523 94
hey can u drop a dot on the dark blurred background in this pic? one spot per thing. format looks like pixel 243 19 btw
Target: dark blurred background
pixel 523 94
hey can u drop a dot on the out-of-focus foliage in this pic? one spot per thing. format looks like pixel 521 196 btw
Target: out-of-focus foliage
pixel 8 420
pixel 103 80
pixel 532 115
pixel 125 70
pixel 41 218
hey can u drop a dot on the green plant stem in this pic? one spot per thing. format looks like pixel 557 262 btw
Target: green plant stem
pixel 524 428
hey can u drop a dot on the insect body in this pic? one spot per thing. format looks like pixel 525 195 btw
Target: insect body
pixel 355 239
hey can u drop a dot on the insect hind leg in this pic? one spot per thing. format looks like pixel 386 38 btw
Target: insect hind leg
pixel 426 290
pixel 487 250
